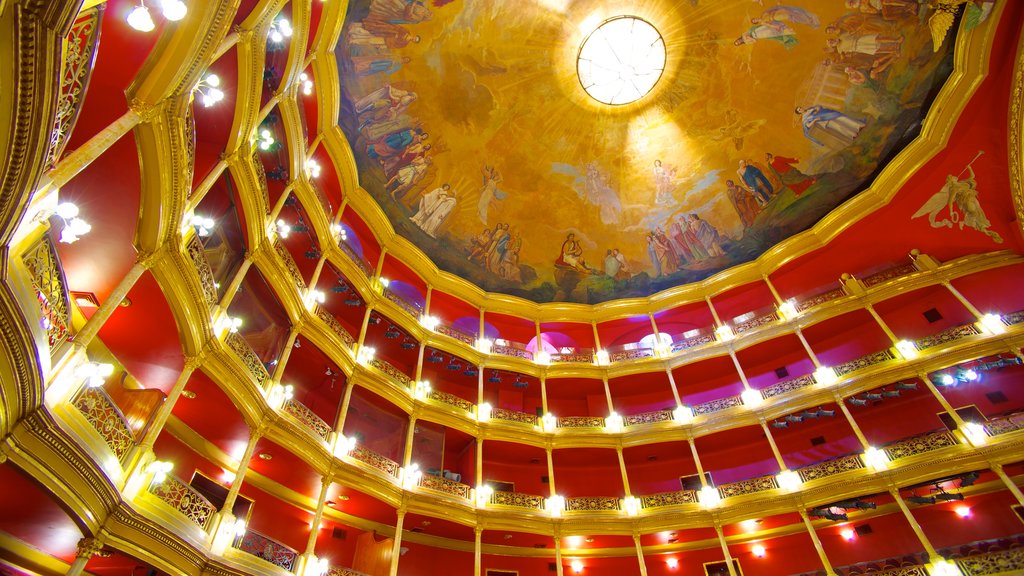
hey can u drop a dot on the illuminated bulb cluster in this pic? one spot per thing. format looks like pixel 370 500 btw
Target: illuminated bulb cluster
pixel 847 533
pixel 483 495
pixel 239 528
pixel 576 566
pixel 483 412
pixel 94 374
pixel 825 376
pixel 975 433
pixel 282 228
pixel 307 84
pixel 265 140
pixel 631 505
pixel 140 18
pixel 411 476
pixel 280 30
pixel 484 345
pixel 613 423
pixel 709 496
pixel 682 414
pixel 428 322
pixel 204 226
pixel 423 389
pixel 724 333
pixel 751 397
pixel 541 357
pixel 907 349
pixel 313 168
pixel 314 297
pixel 758 550
pixel 788 309
pixel 992 323
pixel 601 358
pixel 315 567
pixel 366 354
pixel 554 505
pixel 73 225
pixel 875 458
pixel 344 445
pixel 229 324
pixel 212 93
pixel 789 480
pixel 549 422
pixel 338 231
pixel 159 469
pixel 944 568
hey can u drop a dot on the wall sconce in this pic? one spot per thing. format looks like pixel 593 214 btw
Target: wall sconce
pixel 73 225
pixel 751 397
pixel 788 309
pixel 365 354
pixel 338 231
pixel 279 395
pixel 631 505
pixel 613 423
pixel 307 84
pixel 963 511
pixel 140 19
pixel 847 534
pixel 672 563
pixel 227 325
pixel 95 374
pixel 265 140
pixel 239 528
pixel 279 30
pixel 283 229
pixel 788 480
pixel 483 412
pixel 204 226
pixel 411 476
pixel 975 433
pixel 663 349
pixel 992 323
pixel 548 422
pixel 343 446
pixel 601 358
pixel 159 469
pixel 876 459
pixel 313 168
pixel 758 550
pixel 422 390
pixel 944 568
pixel 484 345
pixel 542 357
pixel 554 505
pixel 314 297
pixel 483 495
pixel 709 497
pixel 907 349
pixel 724 333
pixel 825 376
pixel 212 93
pixel 682 414
pixel 576 566
pixel 428 322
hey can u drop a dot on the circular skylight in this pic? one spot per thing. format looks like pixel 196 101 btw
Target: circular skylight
pixel 621 60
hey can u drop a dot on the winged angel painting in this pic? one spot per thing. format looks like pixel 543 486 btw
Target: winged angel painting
pixel 958 198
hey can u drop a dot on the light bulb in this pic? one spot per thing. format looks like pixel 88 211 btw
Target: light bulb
pixel 140 19
pixel 751 397
pixel 847 533
pixel 758 550
pixel 174 10
pixel 212 80
pixel 276 36
pixel 66 210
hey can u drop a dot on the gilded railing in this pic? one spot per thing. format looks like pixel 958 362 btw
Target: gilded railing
pixel 1004 424
pixel 511 351
pixel 582 356
pixel 518 500
pixel 888 274
pixel 268 549
pixel 717 405
pixel 751 486
pixel 248 357
pixel 693 341
pixel 106 418
pixel 197 255
pixel 290 265
pixel 946 336
pixel 387 368
pixel 358 260
pixel 756 322
pixel 79 51
pixel 335 326
pixel 647 418
pixel 43 265
pixel 514 416
pixel 308 418
pixel 185 500
pixel 451 400
pixel 581 422
pixel 669 499
pixel 864 362
pixel 820 299
pixel 630 354
pixel 455 333
pixel 340 571
pixel 830 467
pixel 402 303
pixel 787 386
pixel 1014 318
pixel 1000 563
pixel 261 178
pixel 371 458
pixel 592 504
pixel 445 486
pixel 920 444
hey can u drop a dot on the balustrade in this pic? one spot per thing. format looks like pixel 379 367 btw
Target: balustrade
pixel 518 500
pixel 830 467
pixel 628 352
pixel 888 274
pixel 308 418
pixel 864 362
pixel 412 308
pixel 107 419
pixel 787 386
pixel 335 326
pixel 593 504
pixel 581 422
pixel 513 416
pixel 946 336
pixel 445 486
pixel 245 353
pixel 47 276
pixel 669 499
pixel 290 266
pixel 511 349
pixel 388 369
pixel 266 548
pixel 751 486
pixel 451 400
pixel 197 255
pixel 647 418
pixel 185 500
pixel 453 332
pixel 920 444
pixel 374 460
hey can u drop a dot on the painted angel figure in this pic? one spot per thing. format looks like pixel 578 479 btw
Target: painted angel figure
pixel 964 195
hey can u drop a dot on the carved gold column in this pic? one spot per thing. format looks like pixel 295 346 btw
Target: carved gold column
pixel 362 329
pixel 551 470
pixel 396 549
pixel 86 549
pixel 622 469
pixel 559 570
pixel 640 554
pixel 725 548
pixel 419 361
pixel 117 295
pixel 410 436
pixel 672 384
pixel 164 411
pixel 817 543
pixel 543 392
pixel 607 393
pixel 325 486
pixel 339 425
pixel 243 467
pixel 477 551
pixel 853 423
pixel 696 460
pixel 286 352
pixel 236 282
pixel 479 462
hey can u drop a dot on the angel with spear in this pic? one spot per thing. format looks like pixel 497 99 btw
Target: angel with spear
pixel 964 195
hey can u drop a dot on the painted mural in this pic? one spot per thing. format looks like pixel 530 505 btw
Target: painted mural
pixel 472 131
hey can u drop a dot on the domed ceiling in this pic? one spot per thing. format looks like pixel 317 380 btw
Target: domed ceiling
pixel 474 131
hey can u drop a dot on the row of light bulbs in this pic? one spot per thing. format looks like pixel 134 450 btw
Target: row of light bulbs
pixel 140 18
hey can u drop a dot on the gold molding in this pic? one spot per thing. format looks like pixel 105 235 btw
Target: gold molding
pixel 1016 135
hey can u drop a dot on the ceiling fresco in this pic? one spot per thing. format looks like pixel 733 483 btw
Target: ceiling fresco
pixel 473 132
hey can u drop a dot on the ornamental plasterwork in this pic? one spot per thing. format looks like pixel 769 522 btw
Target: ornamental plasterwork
pixel 648 418
pixel 830 468
pixel 864 362
pixel 592 504
pixel 920 445
pixel 947 336
pixel 669 499
pixel 105 417
pixel 185 500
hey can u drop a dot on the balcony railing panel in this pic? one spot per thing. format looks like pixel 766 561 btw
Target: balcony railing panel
pixel 289 265
pixel 197 255
pixel 106 418
pixel 629 352
pixel 864 362
pixel 669 499
pixel 647 418
pixel 717 405
pixel 400 301
pixel 819 299
pixel 581 422
pixel 888 274
pixel 445 486
pixel 335 326
pixel 692 339
pixel 387 368
pixel 371 458
pixel 1004 424
pixel 514 416
pixel 185 500
pixel 358 260
pixel 751 486
pixel 946 336
pixel 268 549
pixel 451 400
pixel 47 275
pixel 452 332
pixel 787 386
pixel 830 467
pixel 511 349
pixel 308 418
pixel 593 504
pixel 518 500
pixel 248 357
pixel 920 444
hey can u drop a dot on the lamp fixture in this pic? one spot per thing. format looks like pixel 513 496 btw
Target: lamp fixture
pixel 239 528
pixel 282 228
pixel 724 333
pixel 631 505
pixel 751 397
pixel 758 550
pixel 73 225
pixel 314 297
pixel 313 168
pixel 847 533
pixel 307 84
pixel 944 568
pixel 159 469
pixel 542 357
pixel 411 476
pixel 95 374
pixel 549 422
pixel 876 459
pixel 789 480
pixel 601 358
pixel 672 563
pixel 344 445
pixel 279 30
pixel 483 412
pixel 554 505
pixel 907 349
pixel 422 390
pixel 484 345
pixel 682 414
pixel 204 226
pixel 788 309
pixel 212 93
pixel 576 566
pixel 338 231
pixel 229 324
pixel 428 322
pixel 140 19
pixel 992 323
pixel 709 496
pixel 365 354
pixel 975 433
pixel 265 140
pixel 963 511
pixel 613 423
pixel 825 376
